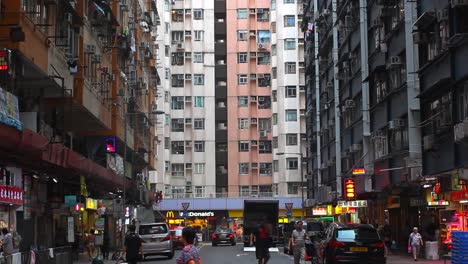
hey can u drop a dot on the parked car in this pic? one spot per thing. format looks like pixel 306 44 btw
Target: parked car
pixel 223 236
pixel 352 243
pixel 157 240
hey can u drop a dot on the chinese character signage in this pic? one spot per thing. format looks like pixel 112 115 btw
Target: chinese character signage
pixel 357 203
pixel 91 204
pixel 12 195
pixel 350 190
pixel 9 112
pixel 319 211
pixel 359 171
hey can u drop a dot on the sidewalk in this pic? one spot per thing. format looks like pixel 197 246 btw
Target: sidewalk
pixel 401 258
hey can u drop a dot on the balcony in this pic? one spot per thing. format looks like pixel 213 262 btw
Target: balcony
pixel 220 47
pixel 220 26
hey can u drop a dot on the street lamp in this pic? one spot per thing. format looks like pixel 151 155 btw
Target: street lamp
pixel 302 177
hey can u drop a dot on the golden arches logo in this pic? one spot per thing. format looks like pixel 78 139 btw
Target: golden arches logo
pixel 170 214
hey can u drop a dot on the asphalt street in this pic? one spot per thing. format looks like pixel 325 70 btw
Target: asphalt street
pixel 236 255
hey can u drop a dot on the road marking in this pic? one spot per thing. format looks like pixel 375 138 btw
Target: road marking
pixel 238 255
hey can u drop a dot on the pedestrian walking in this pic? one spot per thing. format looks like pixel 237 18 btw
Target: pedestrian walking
pixel 90 245
pixel 132 246
pixel 262 237
pixel 297 243
pixel 189 254
pixel 416 242
pixel 7 242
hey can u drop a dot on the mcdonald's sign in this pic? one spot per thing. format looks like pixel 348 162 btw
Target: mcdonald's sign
pixel 170 214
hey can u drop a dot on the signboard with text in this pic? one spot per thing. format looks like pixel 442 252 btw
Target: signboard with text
pixel 11 195
pixel 357 203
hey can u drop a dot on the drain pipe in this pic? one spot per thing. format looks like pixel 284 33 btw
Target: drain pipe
pixel 413 90
pixel 317 105
pixel 336 90
pixel 366 140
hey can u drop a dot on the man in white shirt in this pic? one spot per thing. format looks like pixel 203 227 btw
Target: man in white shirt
pixel 297 243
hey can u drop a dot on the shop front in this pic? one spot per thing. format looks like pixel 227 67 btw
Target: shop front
pixel 11 198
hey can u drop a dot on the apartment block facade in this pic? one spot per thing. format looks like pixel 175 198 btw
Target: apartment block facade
pixel 385 93
pixel 254 99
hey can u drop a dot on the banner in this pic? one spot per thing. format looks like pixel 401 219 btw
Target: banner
pixel 10 194
pixel 70 200
pixel 9 112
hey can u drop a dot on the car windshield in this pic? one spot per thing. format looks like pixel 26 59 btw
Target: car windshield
pixel 153 229
pixel 223 230
pixel 353 234
pixel 178 232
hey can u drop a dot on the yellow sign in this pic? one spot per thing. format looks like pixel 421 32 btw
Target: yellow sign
pixel 91 204
pixel 170 214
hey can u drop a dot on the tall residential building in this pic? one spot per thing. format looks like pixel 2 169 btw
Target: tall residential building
pixel 234 97
pixel 187 136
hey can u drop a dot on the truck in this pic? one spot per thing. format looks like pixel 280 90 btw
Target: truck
pixel 258 211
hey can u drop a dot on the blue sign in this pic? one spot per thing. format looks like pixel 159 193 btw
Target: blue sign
pixel 70 200
pixel 288 214
pixel 185 213
pixel 229 219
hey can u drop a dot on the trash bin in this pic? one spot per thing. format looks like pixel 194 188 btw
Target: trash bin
pixel 432 250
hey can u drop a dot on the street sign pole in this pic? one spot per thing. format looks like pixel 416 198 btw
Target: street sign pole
pixel 289 207
pixel 185 207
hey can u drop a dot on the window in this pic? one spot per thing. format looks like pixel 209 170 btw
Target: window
pixel 291 139
pixel 263 14
pixel 380 144
pixel 244 190
pixel 199 192
pixel 242 101
pixel 243 123
pixel 199 123
pixel 197 14
pixel 273 50
pixel 263 58
pixel 198 35
pixel 243 146
pixel 167 143
pixel 199 101
pixel 199 79
pixel 274 95
pixel 293 187
pixel 273 27
pixel 198 57
pixel 264 102
pixel 177 169
pixel 290 67
pixel 264 124
pixel 264 146
pixel 177 36
pixel 275 166
pixel 167 120
pixel 242 35
pixel 244 168
pixel 274 118
pixel 167 72
pixel 167 50
pixel 291 91
pixel 242 57
pixel 264 80
pixel 266 169
pixel 167 5
pixel 288 1
pixel 291 163
pixel 167 95
pixel 177 103
pixel 263 36
pixel 177 58
pixel 178 147
pixel 242 79
pixel 167 166
pixel 274 142
pixel 273 4
pixel 291 115
pixel 177 125
pixel 199 168
pixel 274 72
pixel 242 13
pixel 289 44
pixel 177 80
pixel 177 15
pixel 289 21
pixel 199 146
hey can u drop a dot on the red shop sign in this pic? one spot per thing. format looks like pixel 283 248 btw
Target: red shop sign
pixel 9 194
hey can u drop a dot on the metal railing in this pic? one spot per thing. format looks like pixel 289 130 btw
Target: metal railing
pixel 186 195
pixel 59 255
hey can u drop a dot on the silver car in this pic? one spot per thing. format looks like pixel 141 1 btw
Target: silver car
pixel 156 239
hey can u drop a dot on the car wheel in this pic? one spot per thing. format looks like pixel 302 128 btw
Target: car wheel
pixel 171 255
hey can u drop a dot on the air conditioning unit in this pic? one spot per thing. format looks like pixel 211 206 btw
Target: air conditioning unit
pixel 253 142
pixel 396 124
pixel 253 98
pixel 252 11
pixel 301 64
pixel 261 98
pixel 188 33
pixel 180 46
pixel 254 164
pixel 253 54
pixel 188 144
pixel 188 55
pixel 188 121
pixel 429 142
pixel 302 112
pixel 90 49
pixel 395 61
pixel 188 99
pixel 253 120
pixel 302 88
pixel 252 33
pixel 355 147
pixel 459 3
pixel 261 46
pixel 188 11
pixel 263 133
pixel 188 76
pixel 350 104
pixel 460 131
pixel 253 76
pixel 188 166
